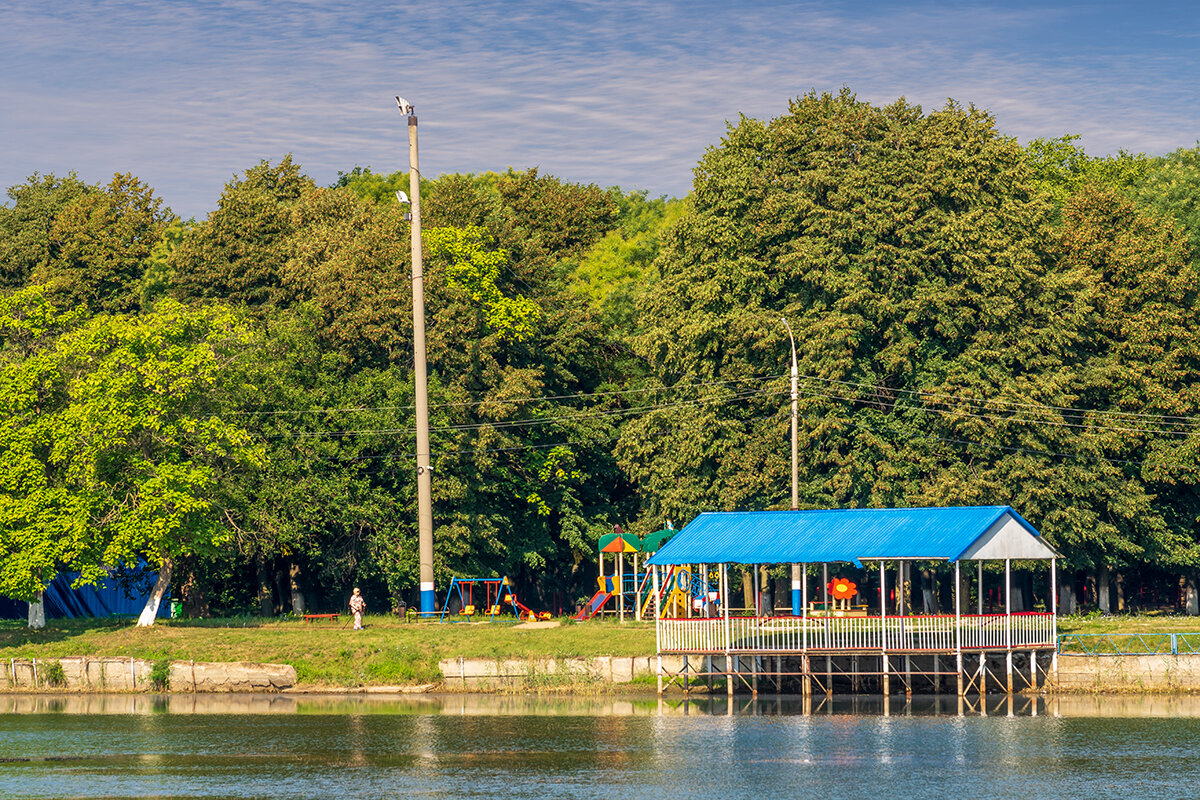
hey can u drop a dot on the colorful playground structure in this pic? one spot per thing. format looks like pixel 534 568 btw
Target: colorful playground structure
pixel 683 591
pixel 498 597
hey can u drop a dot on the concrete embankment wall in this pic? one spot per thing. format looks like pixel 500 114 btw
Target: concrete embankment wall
pixel 80 673
pixel 1159 673
pixel 1132 674
pixel 485 674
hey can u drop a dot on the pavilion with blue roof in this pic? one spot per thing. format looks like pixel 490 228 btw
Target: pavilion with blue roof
pixel 831 628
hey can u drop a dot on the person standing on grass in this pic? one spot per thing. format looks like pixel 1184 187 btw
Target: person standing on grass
pixel 357 606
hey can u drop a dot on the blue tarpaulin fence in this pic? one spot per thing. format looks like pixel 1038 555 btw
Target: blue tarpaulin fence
pixel 109 599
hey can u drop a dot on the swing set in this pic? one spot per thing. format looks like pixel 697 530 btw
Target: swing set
pixel 497 594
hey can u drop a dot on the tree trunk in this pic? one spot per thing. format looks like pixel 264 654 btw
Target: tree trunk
pixel 283 591
pixel 1119 580
pixel 1103 596
pixel 1191 596
pixel 1066 597
pixel 768 593
pixel 266 605
pixel 150 612
pixel 747 589
pixel 929 591
pixel 194 603
pixel 37 612
pixel 298 604
pixel 963 590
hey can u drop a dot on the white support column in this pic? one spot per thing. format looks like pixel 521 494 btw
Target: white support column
pixel 1054 611
pixel 825 586
pixel 825 615
pixel 687 611
pixel 1008 621
pixel 806 680
pixel 958 626
pixel 637 594
pixel 757 592
pixel 804 608
pixel 657 628
pixel 883 643
pixel 725 607
pixel 621 585
pixel 979 586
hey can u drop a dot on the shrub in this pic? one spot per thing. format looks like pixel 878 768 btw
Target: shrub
pixel 160 675
pixel 53 674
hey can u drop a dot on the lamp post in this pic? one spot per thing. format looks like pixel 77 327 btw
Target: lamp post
pixel 420 380
pixel 798 575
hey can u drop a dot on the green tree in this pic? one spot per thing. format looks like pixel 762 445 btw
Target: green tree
pixel 475 270
pixel 1172 186
pixel 26 243
pixel 160 268
pixel 114 444
pixel 100 243
pixel 349 259
pixel 239 253
pixel 619 269
pixel 1060 168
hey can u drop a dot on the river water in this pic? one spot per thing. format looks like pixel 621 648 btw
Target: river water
pixel 466 746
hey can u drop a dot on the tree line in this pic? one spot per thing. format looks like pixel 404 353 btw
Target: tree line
pixel 230 400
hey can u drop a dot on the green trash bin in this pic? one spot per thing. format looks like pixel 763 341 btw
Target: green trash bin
pixel 176 609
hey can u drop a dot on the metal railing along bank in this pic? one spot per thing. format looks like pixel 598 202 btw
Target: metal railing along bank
pixel 1129 644
pixel 911 633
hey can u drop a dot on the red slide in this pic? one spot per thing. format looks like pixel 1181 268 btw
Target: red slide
pixel 594 605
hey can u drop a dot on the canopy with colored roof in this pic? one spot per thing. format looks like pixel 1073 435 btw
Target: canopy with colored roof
pixel 654 541
pixel 855 535
pixel 619 543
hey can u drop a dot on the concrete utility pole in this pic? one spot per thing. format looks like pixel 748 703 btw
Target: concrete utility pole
pixel 798 575
pixel 424 465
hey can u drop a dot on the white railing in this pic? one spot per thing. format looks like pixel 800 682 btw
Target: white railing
pixel 704 635
pixel 912 633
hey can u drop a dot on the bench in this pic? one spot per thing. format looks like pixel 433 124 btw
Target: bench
pixel 330 617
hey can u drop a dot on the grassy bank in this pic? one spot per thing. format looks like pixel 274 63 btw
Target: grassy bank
pixel 388 651
pixel 1128 623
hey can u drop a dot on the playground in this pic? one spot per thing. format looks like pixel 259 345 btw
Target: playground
pixel 497 597
pixel 629 592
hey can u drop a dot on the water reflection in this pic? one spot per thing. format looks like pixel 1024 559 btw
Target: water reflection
pixel 485 746
pixel 1115 706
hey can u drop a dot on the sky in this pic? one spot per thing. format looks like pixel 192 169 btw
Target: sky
pixel 186 94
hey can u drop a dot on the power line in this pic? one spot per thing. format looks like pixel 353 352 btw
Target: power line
pixel 922 393
pixel 998 418
pixel 502 425
pixel 531 399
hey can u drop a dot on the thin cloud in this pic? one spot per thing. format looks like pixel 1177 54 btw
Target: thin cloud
pixel 621 91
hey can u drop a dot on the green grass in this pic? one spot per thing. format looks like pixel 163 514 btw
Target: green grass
pixel 1128 623
pixel 387 652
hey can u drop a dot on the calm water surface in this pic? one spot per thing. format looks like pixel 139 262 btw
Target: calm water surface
pixel 495 747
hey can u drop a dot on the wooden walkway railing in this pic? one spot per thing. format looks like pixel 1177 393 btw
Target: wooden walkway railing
pixel 855 634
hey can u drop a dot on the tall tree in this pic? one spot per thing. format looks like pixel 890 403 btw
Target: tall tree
pixel 238 254
pixel 26 243
pixel 100 243
pixel 114 444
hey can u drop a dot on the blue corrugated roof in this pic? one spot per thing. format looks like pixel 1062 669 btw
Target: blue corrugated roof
pixel 827 535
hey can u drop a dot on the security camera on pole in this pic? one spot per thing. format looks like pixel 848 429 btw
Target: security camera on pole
pixel 424 467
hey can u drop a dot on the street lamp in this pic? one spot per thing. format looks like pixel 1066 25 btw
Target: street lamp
pixel 797 571
pixel 420 379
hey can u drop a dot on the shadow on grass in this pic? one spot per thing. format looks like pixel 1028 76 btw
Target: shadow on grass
pixel 17 633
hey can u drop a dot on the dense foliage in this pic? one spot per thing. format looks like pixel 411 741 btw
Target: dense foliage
pixel 976 322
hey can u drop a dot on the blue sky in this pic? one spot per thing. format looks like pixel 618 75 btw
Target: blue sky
pixel 628 92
